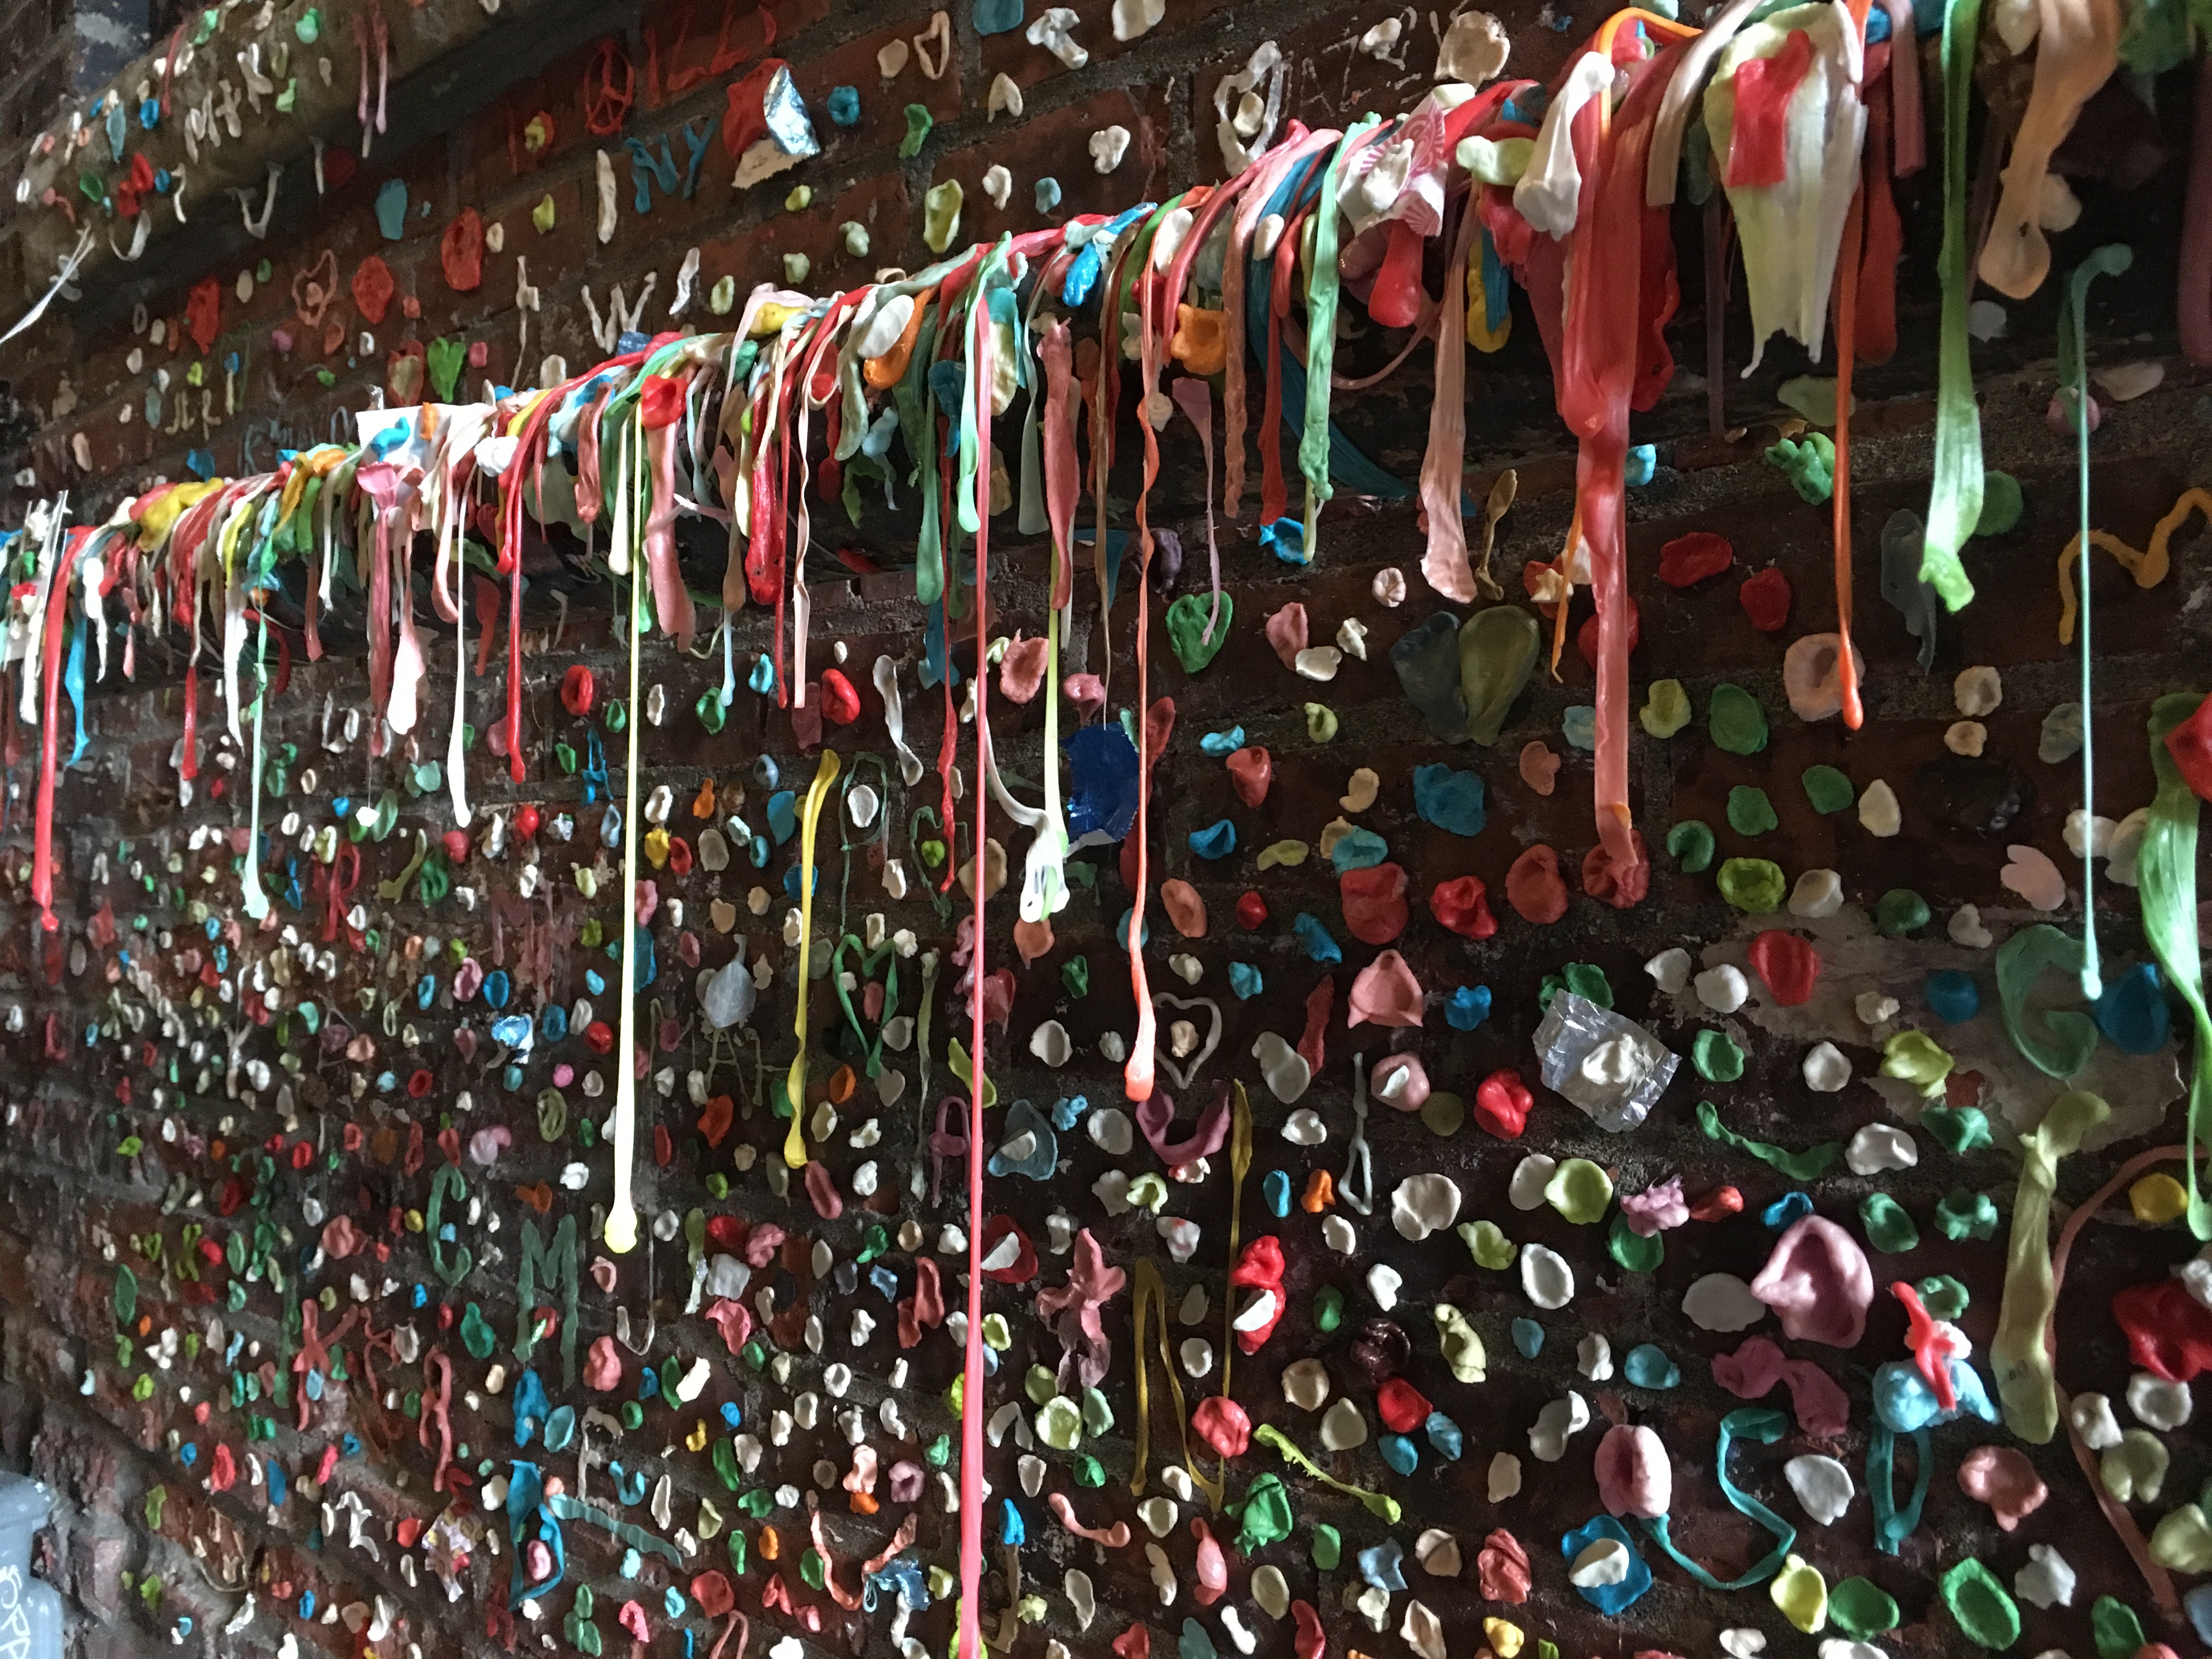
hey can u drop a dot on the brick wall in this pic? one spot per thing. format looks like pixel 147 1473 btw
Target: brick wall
pixel 94 1166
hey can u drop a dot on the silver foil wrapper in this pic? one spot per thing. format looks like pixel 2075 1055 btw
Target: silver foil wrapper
pixel 1633 1072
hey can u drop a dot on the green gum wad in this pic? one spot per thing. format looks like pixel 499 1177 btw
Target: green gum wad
pixel 1461 1345
pixel 1488 1245
pixel 1717 1057
pixel 1944 1297
pixel 1915 1057
pixel 1579 1190
pixel 1860 1607
pixel 1829 791
pixel 1754 886
pixel 1635 1255
pixel 1962 1215
pixel 940 214
pixel 1498 651
pixel 1961 1129
pixel 1736 722
pixel 1328 1546
pixel 1749 811
pixel 1666 708
pixel 1320 722
pixel 1187 619
pixel 1329 1309
pixel 2134 1470
pixel 2182 1540
pixel 1900 911
pixel 2058 1042
pixel 1265 1516
pixel 1585 978
pixel 1985 1613
pixel 2115 1628
pixel 1889 1229
pixel 1691 845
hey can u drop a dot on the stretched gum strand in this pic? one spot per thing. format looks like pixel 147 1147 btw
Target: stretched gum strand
pixel 2148 565
pixel 2155 1577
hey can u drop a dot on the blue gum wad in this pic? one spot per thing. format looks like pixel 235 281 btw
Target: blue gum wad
pixel 1953 996
pixel 1609 1599
pixel 1449 799
pixel 2132 1014
pixel 1361 849
pixel 1102 801
pixel 1315 937
pixel 1468 1007
pixel 1023 1118
pixel 1216 841
pixel 1904 1401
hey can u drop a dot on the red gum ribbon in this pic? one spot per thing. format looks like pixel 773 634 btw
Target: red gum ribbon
pixel 1612 357
pixel 49 671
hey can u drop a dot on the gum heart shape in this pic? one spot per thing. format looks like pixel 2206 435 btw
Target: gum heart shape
pixel 2003 1479
pixel 1187 622
pixel 1250 772
pixel 1818 1283
pixel 1374 901
pixel 1634 1476
pixel 446 357
pixel 1497 651
pixel 1181 1071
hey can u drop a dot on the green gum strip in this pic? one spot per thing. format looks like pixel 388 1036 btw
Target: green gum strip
pixel 991 274
pixel 1766 1427
pixel 2059 1042
pixel 1955 498
pixel 1893 1525
pixel 1378 1504
pixel 1807 1165
pixel 1321 337
pixel 2018 1354
pixel 2167 867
